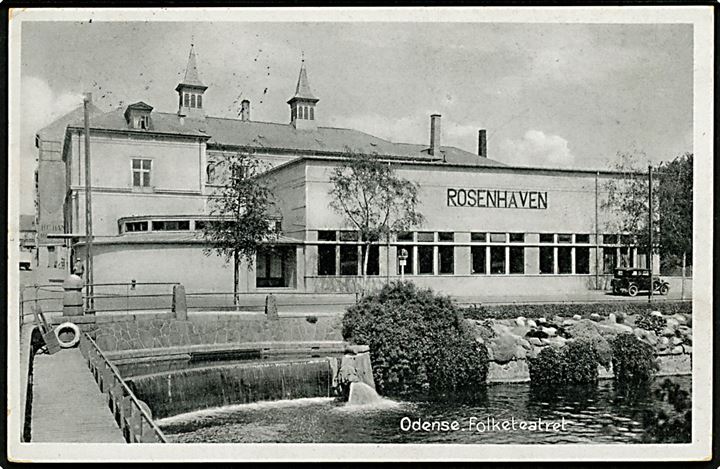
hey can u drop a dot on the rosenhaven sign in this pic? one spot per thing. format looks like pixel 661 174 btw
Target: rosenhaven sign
pixel 485 198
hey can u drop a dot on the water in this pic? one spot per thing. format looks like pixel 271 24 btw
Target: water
pixel 597 414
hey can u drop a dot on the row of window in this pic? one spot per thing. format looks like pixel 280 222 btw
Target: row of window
pixel 479 237
pixel 339 259
pixel 302 112
pixel 192 100
pixel 161 225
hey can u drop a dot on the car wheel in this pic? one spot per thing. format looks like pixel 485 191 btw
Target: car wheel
pixel 664 289
pixel 633 290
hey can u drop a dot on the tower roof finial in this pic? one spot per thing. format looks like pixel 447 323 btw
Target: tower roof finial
pixel 302 90
pixel 192 77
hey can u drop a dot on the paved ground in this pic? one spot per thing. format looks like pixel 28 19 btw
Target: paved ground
pixel 67 405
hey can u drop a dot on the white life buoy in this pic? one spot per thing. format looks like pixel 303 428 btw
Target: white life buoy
pixel 64 328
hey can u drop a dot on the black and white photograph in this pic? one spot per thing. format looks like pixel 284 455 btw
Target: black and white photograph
pixel 379 234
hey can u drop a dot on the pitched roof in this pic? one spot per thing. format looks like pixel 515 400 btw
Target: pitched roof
pixel 56 130
pixel 192 77
pixel 325 140
pixel 162 122
pixel 302 89
pixel 283 137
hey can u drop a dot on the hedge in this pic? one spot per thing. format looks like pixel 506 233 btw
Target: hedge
pixel 548 310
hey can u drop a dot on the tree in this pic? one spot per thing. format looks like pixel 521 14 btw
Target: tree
pixel 241 221
pixel 672 202
pixel 373 199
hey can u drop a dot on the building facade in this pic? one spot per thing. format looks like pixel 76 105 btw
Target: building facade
pixel 488 227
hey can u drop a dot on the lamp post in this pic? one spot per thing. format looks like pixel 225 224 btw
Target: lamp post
pixel 89 290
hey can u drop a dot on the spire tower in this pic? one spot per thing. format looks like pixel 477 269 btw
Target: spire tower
pixel 191 89
pixel 302 104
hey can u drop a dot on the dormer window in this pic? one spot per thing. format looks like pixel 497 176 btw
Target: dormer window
pixel 138 116
pixel 143 122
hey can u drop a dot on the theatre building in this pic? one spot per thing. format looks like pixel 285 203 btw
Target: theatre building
pixel 488 227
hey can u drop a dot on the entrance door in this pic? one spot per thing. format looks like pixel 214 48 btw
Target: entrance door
pixel 275 267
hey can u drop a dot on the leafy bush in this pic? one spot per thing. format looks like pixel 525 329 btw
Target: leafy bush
pixel 633 360
pixel 647 321
pixel 575 363
pixel 511 311
pixel 418 340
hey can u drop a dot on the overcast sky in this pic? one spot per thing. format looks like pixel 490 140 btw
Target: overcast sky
pixel 549 95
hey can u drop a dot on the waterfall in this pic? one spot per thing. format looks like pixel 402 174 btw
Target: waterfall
pixel 176 392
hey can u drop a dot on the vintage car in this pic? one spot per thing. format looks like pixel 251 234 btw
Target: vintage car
pixel 633 281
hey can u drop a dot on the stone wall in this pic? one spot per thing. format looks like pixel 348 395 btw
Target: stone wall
pixel 213 329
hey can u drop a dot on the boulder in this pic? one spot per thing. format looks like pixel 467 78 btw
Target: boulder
pixel 520 321
pixel 672 323
pixel 504 347
pixel 535 341
pixel 687 348
pixel 520 353
pixel 647 336
pixel 663 343
pixel 595 317
pixel 531 324
pixel 550 331
pixel 577 317
pixel 676 341
pixel 541 319
pixel 668 332
pixel 612 318
pixel 678 349
pixel 525 344
pixel 656 313
pixel 536 333
pixel 557 319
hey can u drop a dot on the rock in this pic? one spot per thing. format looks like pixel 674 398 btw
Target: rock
pixel 649 337
pixel 520 352
pixel 504 348
pixel 639 332
pixel 550 331
pixel 668 332
pixel 545 341
pixel 541 319
pixel 623 328
pixel 612 318
pixel 678 349
pixel 663 343
pixel 577 317
pixel 687 348
pixel 532 324
pixel 685 331
pixel 525 344
pixel 676 341
pixel 568 322
pixel 672 323
pixel 555 341
pixel 520 321
pixel 557 319
pixel 656 313
pixel 536 333
pixel 595 317
pixel 535 341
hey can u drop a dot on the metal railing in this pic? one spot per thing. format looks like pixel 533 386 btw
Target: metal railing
pixel 133 419
pixel 255 301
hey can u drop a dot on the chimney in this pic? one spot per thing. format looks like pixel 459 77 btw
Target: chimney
pixel 245 110
pixel 482 143
pixel 435 135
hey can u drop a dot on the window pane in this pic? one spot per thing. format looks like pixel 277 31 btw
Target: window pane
pixel 478 259
pixel 609 260
pixel 373 265
pixel 565 260
pixel 200 225
pixel 136 179
pixel 582 238
pixel 146 164
pixel 410 263
pixel 326 235
pixel 199 101
pixel 312 113
pixel 498 237
pixel 517 237
pixel 446 236
pixel 135 164
pixel 326 260
pixel 481 237
pixel 187 99
pixel 349 236
pixel 497 259
pixel 625 257
pixel 547 238
pixel 405 236
pixel 564 238
pixel 446 259
pixel 582 260
pixel 426 237
pixel 626 239
pixel 146 179
pixel 425 260
pixel 348 260
pixel 183 225
pixel 547 260
pixel 517 260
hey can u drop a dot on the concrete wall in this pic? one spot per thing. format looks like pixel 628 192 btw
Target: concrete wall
pixel 212 329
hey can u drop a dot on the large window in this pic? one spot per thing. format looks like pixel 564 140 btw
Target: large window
pixel 340 253
pixel 517 260
pixel 409 262
pixel 141 172
pixel 478 259
pixel 172 225
pixel 564 260
pixel 446 259
pixel 609 259
pixel 547 260
pixel 582 260
pixel 497 259
pixel 349 259
pixel 134 226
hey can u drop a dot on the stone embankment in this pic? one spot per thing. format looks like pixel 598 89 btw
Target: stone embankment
pixel 511 342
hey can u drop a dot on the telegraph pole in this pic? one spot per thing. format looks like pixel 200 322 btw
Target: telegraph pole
pixel 650 233
pixel 89 290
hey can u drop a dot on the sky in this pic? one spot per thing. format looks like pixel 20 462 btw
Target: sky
pixel 549 95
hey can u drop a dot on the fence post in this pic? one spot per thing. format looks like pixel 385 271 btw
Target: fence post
pixel 179 302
